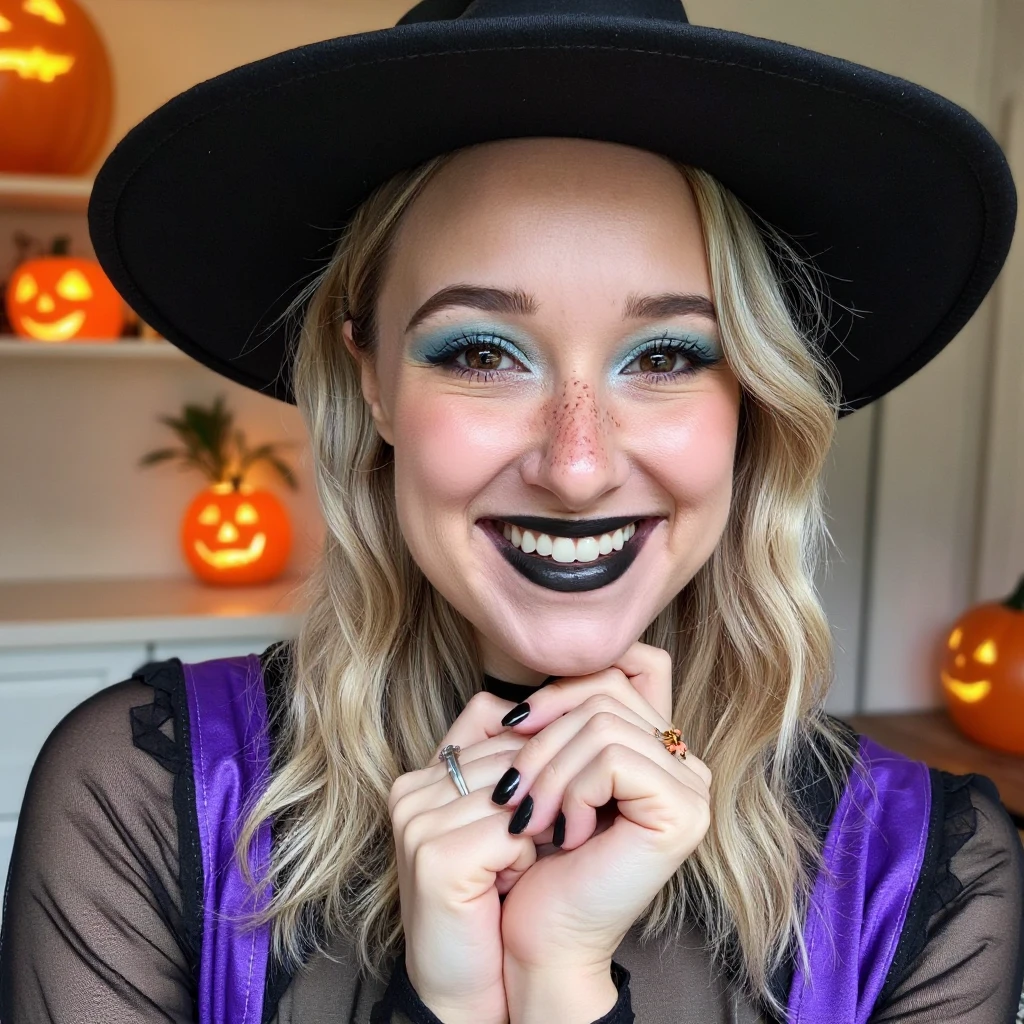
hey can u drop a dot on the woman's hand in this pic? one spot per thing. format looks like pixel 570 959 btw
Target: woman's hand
pixel 592 742
pixel 455 856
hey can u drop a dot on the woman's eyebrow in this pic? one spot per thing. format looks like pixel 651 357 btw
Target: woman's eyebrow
pixel 518 303
pixel 657 307
pixel 491 300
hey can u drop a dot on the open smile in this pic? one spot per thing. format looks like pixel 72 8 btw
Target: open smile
pixel 570 555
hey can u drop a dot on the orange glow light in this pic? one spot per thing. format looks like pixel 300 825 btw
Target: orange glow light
pixel 36 63
pixel 46 9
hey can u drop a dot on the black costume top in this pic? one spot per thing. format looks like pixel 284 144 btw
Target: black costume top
pixel 101 906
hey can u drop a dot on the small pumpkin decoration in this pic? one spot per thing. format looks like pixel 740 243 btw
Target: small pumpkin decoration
pixel 56 88
pixel 232 533
pixel 983 673
pixel 59 298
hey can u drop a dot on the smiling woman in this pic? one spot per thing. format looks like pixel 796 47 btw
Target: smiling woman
pixel 560 689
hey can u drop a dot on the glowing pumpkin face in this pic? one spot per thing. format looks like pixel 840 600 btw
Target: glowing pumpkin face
pixel 60 298
pixel 56 89
pixel 983 674
pixel 236 537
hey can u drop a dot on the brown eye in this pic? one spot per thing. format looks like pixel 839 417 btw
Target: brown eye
pixel 483 357
pixel 657 362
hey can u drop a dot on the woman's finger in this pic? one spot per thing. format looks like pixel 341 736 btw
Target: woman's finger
pixel 648 670
pixel 470 857
pixel 645 672
pixel 604 691
pixel 598 714
pixel 435 784
pixel 479 720
pixel 645 793
pixel 545 782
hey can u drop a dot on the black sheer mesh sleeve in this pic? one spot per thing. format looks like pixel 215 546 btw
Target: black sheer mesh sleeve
pixel 401 1004
pixel 963 963
pixel 93 929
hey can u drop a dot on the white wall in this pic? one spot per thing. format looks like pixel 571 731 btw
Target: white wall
pixel 912 486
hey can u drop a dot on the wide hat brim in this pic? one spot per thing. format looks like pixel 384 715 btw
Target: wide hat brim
pixel 215 210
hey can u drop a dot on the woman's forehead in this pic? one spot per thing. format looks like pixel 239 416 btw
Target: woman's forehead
pixel 548 176
pixel 546 215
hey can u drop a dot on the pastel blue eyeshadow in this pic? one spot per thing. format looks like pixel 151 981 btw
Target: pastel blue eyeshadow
pixel 669 337
pixel 432 346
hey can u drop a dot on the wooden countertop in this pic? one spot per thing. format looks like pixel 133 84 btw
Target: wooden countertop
pixel 56 612
pixel 931 737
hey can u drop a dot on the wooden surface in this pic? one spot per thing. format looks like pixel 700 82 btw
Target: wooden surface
pixel 930 736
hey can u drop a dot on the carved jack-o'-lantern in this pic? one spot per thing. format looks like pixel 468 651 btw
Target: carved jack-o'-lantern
pixel 983 673
pixel 234 534
pixel 61 298
pixel 56 89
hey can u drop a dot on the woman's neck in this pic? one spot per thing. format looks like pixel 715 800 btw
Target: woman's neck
pixel 498 665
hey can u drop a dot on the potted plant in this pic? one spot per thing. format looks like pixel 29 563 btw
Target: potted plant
pixel 231 533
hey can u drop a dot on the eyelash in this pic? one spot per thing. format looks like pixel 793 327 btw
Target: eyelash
pixel 664 344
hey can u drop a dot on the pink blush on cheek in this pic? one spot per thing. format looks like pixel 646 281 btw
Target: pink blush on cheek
pixel 448 449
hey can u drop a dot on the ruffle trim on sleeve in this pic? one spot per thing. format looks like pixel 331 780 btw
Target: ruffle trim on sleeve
pixel 953 822
pixel 174 752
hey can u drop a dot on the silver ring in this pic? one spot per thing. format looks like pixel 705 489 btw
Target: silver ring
pixel 448 754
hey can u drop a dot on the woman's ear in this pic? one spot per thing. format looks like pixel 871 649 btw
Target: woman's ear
pixel 368 382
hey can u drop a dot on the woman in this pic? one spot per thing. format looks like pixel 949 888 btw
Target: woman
pixel 569 401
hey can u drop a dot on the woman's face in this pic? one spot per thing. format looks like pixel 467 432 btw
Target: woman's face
pixel 548 357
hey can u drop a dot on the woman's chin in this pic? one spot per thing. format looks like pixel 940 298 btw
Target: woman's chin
pixel 570 654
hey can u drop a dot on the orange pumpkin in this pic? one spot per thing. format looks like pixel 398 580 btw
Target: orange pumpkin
pixel 61 298
pixel 234 534
pixel 983 673
pixel 56 89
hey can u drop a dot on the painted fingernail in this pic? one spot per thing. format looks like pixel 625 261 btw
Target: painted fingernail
pixel 559 834
pixel 506 786
pixel 517 714
pixel 522 816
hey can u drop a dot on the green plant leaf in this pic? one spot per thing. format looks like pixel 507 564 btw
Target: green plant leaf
pixel 284 470
pixel 161 455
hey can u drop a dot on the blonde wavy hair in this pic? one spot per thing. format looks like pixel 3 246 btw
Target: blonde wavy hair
pixel 383 664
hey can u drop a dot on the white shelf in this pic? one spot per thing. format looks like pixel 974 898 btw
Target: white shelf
pixel 49 613
pixel 44 192
pixel 129 348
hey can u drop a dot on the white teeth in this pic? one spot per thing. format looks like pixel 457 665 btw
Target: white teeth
pixel 565 549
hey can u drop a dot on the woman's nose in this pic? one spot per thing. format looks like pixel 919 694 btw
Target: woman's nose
pixel 577 453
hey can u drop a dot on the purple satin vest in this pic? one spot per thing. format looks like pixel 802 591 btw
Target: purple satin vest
pixel 873 854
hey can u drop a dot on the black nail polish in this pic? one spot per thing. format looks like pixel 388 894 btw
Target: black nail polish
pixel 516 715
pixel 506 787
pixel 559 835
pixel 522 816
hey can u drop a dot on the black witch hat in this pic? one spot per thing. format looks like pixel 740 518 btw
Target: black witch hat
pixel 212 213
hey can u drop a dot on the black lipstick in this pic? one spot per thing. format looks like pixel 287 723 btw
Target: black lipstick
pixel 570 527
pixel 572 577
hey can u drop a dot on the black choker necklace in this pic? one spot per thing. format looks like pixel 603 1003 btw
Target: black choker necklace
pixel 511 691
